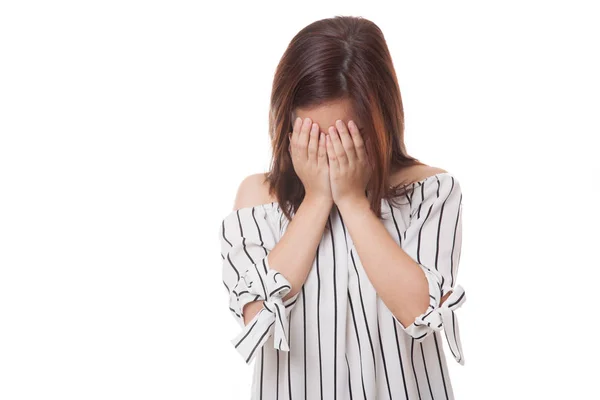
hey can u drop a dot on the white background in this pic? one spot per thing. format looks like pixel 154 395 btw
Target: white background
pixel 127 126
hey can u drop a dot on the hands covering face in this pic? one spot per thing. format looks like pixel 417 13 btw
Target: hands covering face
pixel 333 165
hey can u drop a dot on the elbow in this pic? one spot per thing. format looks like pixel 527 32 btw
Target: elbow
pixel 420 307
pixel 413 324
pixel 422 304
pixel 424 299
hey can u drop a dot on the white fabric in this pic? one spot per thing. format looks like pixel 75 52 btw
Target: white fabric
pixel 336 338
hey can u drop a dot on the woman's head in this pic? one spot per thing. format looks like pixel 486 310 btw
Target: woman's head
pixel 338 68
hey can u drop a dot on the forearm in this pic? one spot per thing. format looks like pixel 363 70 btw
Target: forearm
pixel 294 254
pixel 398 280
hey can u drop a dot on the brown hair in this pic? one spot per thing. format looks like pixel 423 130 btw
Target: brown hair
pixel 332 59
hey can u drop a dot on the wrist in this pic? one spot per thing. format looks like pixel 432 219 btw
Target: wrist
pixel 353 203
pixel 319 201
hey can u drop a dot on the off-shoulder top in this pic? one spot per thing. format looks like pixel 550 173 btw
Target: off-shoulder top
pixel 336 339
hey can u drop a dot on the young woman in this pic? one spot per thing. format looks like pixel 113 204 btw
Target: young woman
pixel 341 262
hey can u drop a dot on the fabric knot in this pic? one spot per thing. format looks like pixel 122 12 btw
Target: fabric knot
pixel 271 288
pixel 443 317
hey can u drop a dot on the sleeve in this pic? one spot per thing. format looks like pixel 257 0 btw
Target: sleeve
pixel 247 236
pixel 433 239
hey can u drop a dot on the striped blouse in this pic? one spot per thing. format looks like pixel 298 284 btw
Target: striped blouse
pixel 336 339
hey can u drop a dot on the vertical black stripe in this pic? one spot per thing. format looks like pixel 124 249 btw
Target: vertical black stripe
pixel 319 322
pixel 304 328
pixel 395 224
pixel 419 235
pixel 277 375
pixel 437 349
pixel 387 379
pixel 439 230
pixel 343 229
pixel 262 370
pixel 359 347
pixel 335 311
pixel 223 233
pixel 422 185
pixel 412 360
pixel 425 367
pixel 364 311
pixel 407 196
pixel 289 355
pixel 454 243
pixel 397 340
pixel 230 245
pixel 349 380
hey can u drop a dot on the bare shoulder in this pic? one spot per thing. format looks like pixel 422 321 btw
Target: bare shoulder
pixel 415 173
pixel 253 191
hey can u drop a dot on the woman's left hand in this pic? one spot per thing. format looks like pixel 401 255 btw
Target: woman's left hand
pixel 349 168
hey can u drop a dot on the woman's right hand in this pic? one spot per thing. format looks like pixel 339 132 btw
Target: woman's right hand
pixel 309 157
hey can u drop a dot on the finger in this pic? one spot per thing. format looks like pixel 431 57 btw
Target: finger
pixel 322 154
pixel 359 144
pixel 303 137
pixel 296 130
pixel 340 153
pixel 346 140
pixel 332 158
pixel 313 144
pixel 294 136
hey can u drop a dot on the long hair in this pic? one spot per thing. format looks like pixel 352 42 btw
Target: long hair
pixel 343 57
